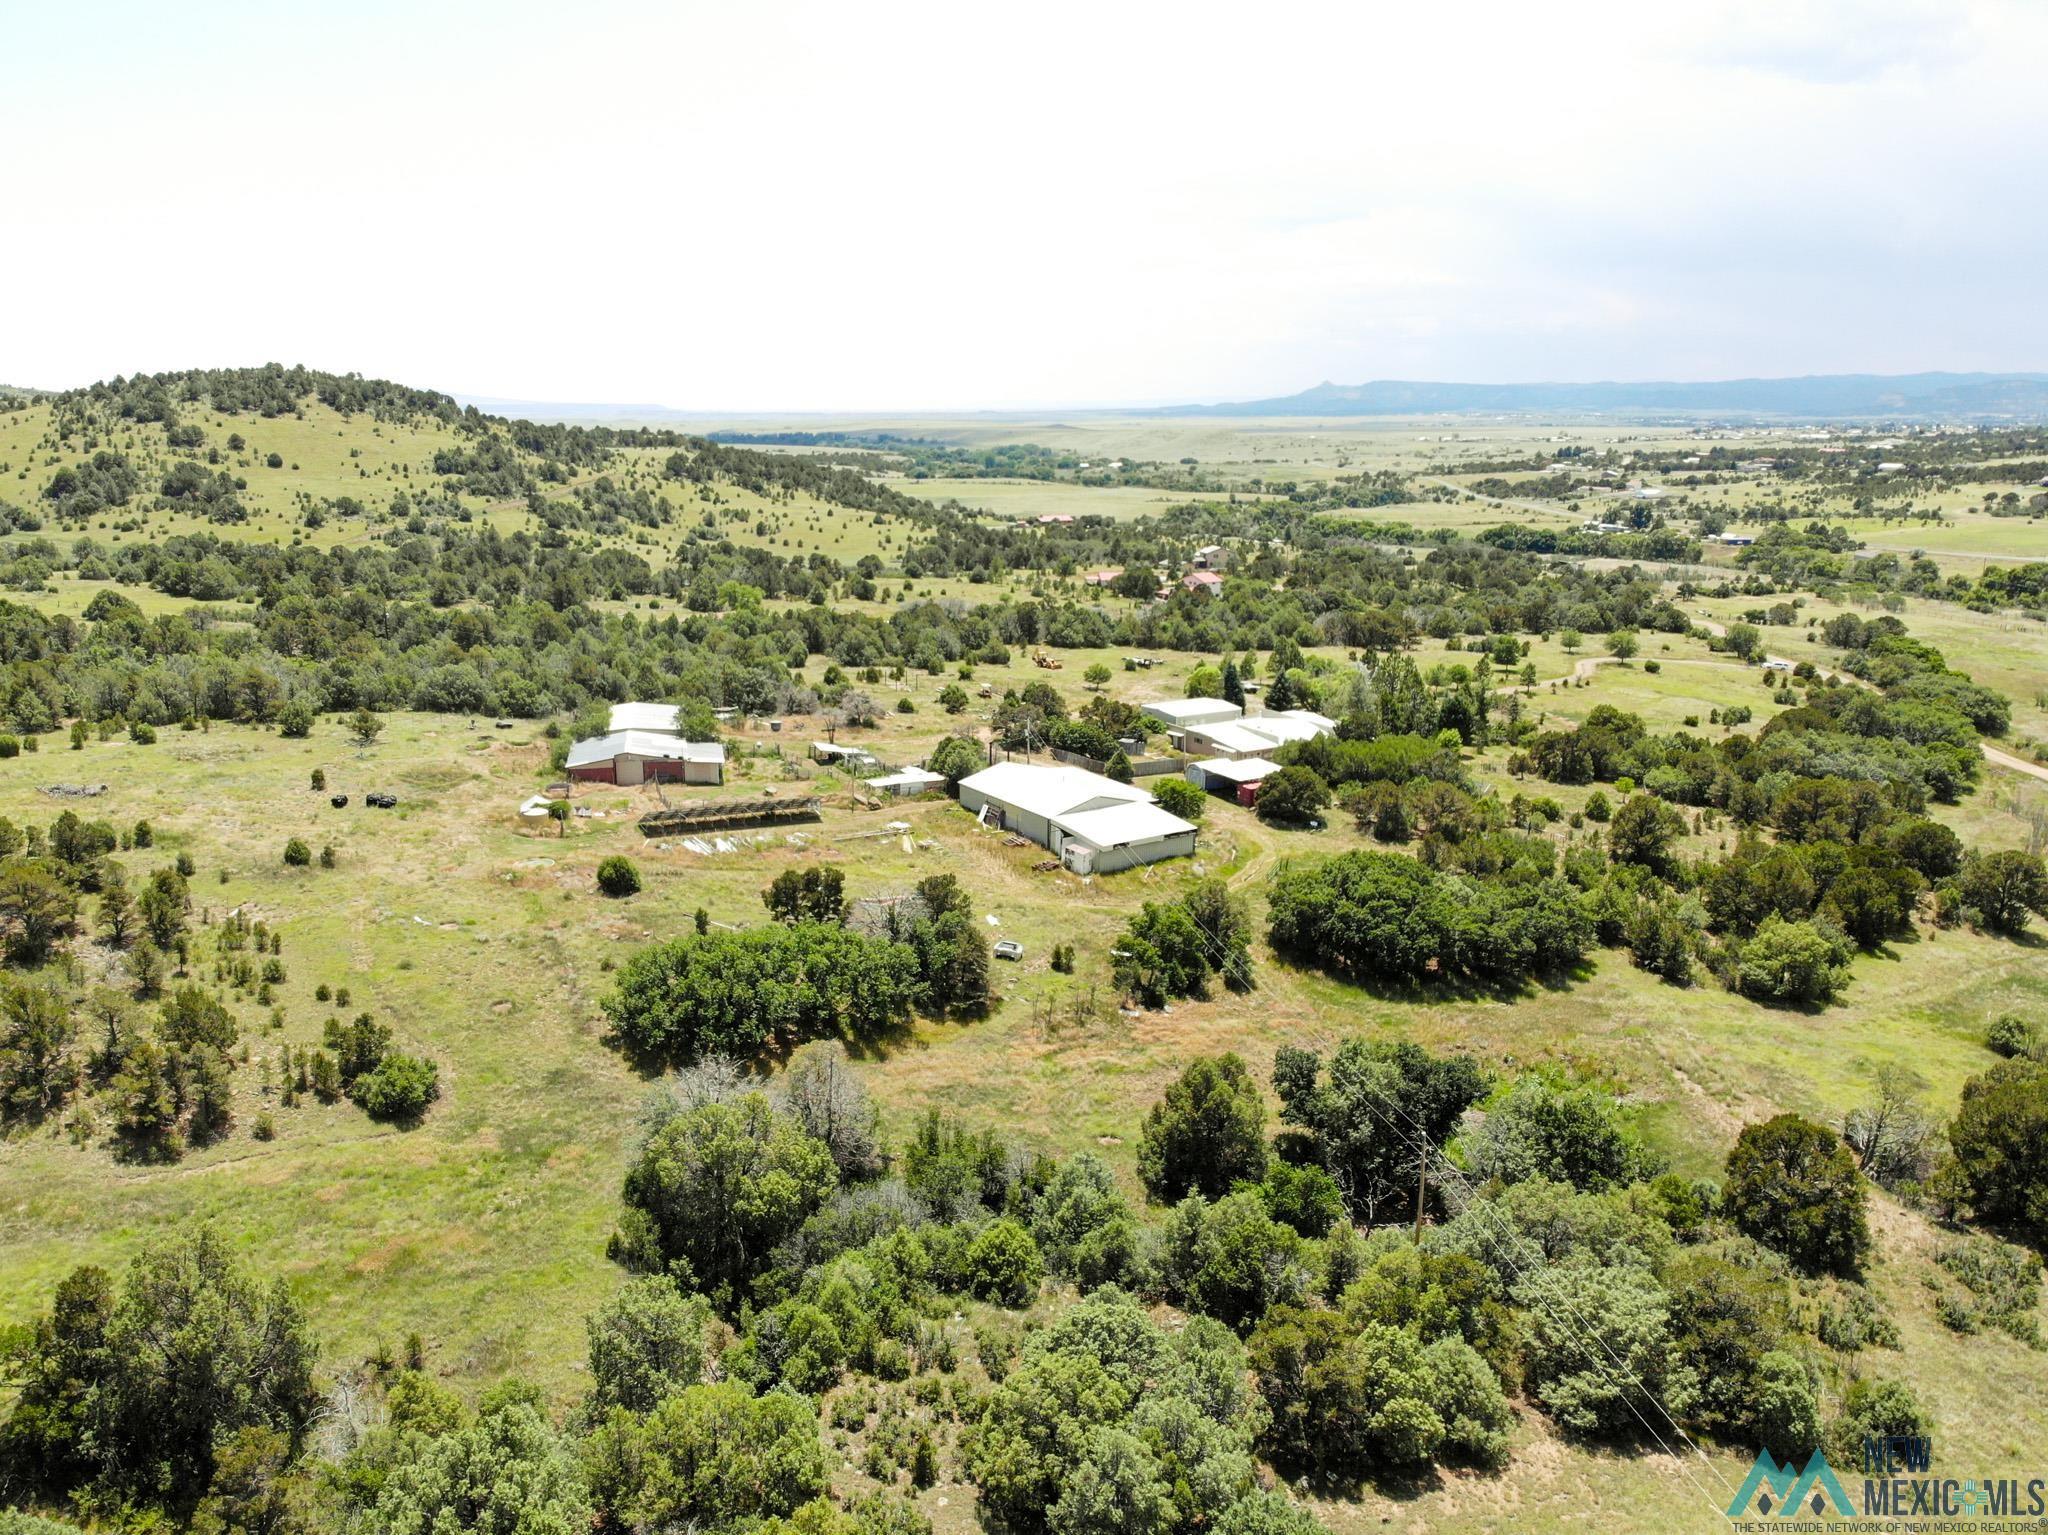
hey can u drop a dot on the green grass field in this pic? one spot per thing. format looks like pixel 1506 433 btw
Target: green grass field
pixel 1047 498
pixel 2005 651
pixel 485 946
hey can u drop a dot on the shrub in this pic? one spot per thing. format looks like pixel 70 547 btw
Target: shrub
pixel 2004 889
pixel 1207 1134
pixel 295 719
pixel 2004 1281
pixel 2000 1140
pixel 618 876
pixel 1793 1186
pixel 2012 1035
pixel 141 734
pixel 1293 796
pixel 1177 796
pixel 1003 1264
pixel 296 854
pixel 1792 962
pixel 399 1089
pixel 1548 1126
pixel 1875 1409
pixel 1598 1346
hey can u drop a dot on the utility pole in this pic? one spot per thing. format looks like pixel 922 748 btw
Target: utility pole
pixel 1421 1189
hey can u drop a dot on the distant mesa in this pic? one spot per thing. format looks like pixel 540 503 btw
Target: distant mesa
pixel 1827 396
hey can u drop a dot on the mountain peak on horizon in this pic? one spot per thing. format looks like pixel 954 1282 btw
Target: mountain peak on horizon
pixel 1819 396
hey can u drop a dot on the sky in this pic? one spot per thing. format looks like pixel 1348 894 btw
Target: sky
pixel 906 207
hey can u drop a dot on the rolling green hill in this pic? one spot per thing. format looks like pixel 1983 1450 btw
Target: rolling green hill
pixel 229 599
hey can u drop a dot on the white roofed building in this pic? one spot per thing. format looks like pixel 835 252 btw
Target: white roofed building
pixel 1226 775
pixel 1094 824
pixel 1257 736
pixel 630 757
pixel 1174 713
pixel 907 781
pixel 662 718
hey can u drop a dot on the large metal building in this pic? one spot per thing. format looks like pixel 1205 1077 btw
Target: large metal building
pixel 641 756
pixel 1094 825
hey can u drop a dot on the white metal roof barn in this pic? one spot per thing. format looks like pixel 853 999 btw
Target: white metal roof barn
pixel 636 756
pixel 1094 824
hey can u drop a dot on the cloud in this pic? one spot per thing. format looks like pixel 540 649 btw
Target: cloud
pixel 806 206
pixel 1830 44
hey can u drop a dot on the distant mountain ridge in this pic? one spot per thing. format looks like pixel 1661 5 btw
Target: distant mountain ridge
pixel 570 411
pixel 1828 396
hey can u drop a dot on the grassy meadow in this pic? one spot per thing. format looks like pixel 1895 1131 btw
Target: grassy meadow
pixel 484 944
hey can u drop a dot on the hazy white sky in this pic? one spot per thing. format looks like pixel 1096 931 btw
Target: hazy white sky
pixel 840 206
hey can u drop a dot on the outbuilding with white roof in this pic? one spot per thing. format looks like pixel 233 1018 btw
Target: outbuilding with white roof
pixel 1226 775
pixel 1178 713
pixel 1257 736
pixel 662 718
pixel 1094 824
pixel 632 757
pixel 906 781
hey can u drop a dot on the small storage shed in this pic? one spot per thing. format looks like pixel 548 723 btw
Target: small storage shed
pixel 1226 775
pixel 851 758
pixel 909 781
